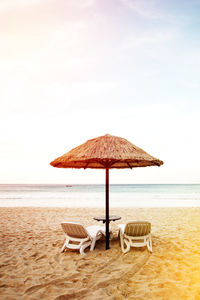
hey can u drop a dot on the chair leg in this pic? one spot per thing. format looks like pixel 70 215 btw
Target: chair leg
pixel 122 241
pixel 93 244
pixel 149 244
pixel 65 245
pixel 128 246
pixel 84 246
pixel 63 248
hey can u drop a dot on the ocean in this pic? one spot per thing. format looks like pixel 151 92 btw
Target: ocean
pixel 121 195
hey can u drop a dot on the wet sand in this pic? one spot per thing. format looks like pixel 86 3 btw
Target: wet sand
pixel 32 267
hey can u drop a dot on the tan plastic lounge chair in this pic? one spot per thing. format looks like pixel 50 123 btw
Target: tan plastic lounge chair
pixel 135 234
pixel 79 237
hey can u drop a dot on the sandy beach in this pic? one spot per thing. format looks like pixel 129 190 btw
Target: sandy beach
pixel 32 267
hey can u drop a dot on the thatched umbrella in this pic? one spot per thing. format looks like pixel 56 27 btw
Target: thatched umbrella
pixel 106 152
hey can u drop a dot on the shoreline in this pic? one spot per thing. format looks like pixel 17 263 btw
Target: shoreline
pixel 32 266
pixel 101 207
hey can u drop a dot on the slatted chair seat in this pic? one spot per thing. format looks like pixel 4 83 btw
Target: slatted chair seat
pixel 135 234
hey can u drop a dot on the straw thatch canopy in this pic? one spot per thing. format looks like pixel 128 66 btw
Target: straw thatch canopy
pixel 106 152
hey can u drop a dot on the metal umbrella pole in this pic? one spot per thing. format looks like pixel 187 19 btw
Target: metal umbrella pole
pixel 107 208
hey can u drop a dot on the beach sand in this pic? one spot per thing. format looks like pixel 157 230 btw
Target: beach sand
pixel 32 267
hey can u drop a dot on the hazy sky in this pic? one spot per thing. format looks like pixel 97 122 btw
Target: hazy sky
pixel 71 70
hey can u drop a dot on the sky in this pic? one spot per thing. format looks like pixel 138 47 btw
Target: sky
pixel 72 70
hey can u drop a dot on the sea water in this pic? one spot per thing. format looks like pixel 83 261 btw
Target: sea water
pixel 120 195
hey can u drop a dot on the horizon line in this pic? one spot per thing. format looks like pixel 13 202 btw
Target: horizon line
pixel 71 184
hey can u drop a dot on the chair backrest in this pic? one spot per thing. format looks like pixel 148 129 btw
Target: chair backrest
pixel 137 228
pixel 74 230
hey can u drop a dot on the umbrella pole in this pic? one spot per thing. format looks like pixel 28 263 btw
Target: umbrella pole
pixel 107 208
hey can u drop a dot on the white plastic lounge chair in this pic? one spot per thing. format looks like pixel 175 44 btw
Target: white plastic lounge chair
pixel 79 237
pixel 135 234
